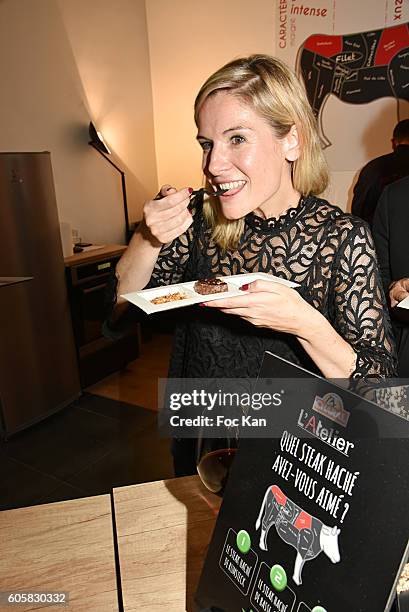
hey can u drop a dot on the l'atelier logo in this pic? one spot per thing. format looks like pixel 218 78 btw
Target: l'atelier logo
pixel 331 406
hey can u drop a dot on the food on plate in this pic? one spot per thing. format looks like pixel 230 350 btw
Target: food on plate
pixel 207 286
pixel 403 584
pixel 169 297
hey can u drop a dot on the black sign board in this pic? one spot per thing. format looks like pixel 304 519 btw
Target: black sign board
pixel 315 518
pixel 403 602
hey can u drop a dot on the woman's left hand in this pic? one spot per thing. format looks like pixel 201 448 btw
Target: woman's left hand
pixel 270 304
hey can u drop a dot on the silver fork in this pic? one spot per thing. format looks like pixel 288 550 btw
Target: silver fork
pixel 197 192
pixel 209 192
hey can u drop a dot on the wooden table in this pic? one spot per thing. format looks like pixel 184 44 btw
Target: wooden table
pixel 65 546
pixel 163 531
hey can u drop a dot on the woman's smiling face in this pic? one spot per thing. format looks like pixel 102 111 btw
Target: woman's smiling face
pixel 242 154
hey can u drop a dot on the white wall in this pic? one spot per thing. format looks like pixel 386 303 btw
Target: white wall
pixel 188 40
pixel 62 64
pixel 134 68
pixel 110 45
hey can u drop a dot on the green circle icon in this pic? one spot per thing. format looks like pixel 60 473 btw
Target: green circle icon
pixel 278 577
pixel 318 609
pixel 243 541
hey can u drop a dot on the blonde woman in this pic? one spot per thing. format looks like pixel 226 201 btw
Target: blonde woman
pixel 260 143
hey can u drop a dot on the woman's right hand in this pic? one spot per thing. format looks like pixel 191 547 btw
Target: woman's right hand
pixel 398 291
pixel 167 216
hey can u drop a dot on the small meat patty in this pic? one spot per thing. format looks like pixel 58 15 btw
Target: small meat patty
pixel 208 286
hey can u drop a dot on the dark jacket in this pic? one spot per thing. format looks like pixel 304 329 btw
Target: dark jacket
pixel 391 235
pixel 374 177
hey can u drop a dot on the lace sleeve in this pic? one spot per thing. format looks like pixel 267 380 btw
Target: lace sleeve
pixel 358 304
pixel 169 268
pixel 171 264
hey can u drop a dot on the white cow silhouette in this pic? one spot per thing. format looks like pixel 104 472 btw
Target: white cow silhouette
pixel 307 534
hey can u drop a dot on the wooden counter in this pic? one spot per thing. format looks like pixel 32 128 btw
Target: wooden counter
pixel 65 546
pixel 163 531
pixel 107 250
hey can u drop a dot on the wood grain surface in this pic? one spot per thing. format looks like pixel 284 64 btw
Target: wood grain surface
pixel 164 529
pixel 65 546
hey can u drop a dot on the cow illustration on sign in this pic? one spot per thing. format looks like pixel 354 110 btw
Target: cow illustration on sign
pixel 307 534
pixel 357 68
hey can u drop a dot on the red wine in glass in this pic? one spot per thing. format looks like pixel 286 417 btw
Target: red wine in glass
pixel 213 468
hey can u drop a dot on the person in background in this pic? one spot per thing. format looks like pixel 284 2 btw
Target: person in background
pixel 380 172
pixel 260 144
pixel 391 232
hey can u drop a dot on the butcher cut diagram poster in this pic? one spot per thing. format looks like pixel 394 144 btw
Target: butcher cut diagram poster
pixel 354 60
pixel 312 519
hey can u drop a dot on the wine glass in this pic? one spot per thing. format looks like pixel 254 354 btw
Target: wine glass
pixel 214 459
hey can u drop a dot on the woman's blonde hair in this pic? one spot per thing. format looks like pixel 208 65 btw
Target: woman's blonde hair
pixel 275 93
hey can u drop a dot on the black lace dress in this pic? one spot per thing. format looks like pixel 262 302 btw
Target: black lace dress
pixel 329 253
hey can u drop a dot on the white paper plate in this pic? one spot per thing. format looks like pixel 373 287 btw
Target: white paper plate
pixel 404 303
pixel 142 299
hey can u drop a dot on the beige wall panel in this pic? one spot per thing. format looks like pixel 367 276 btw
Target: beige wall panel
pixel 188 40
pixel 64 63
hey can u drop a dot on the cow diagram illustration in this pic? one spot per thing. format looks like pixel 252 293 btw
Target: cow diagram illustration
pixel 357 68
pixel 307 534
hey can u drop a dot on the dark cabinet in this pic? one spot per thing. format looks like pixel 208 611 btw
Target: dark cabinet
pixel 87 277
pixel 38 367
